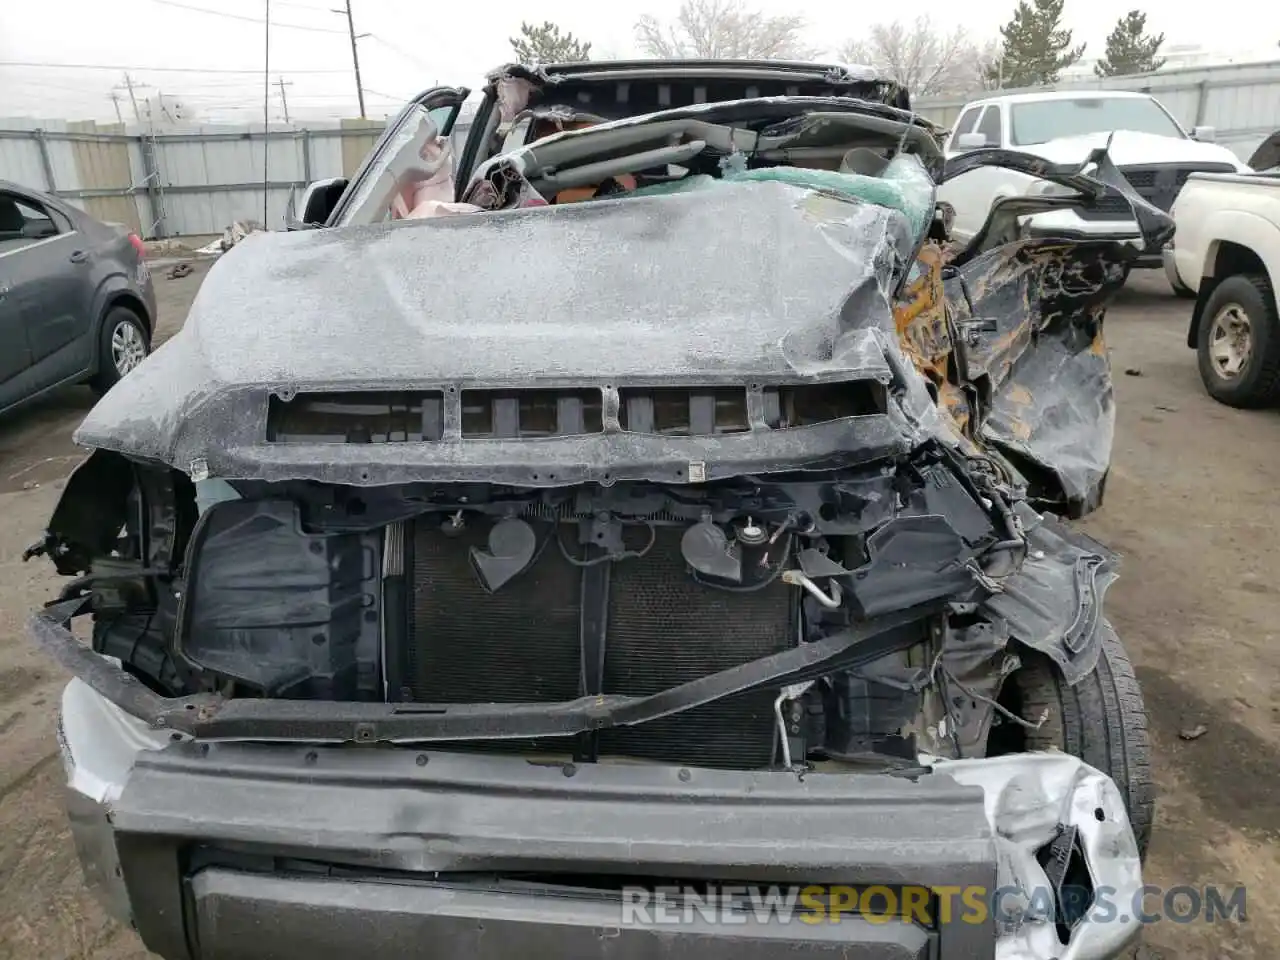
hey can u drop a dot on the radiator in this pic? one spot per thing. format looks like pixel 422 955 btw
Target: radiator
pixel 523 642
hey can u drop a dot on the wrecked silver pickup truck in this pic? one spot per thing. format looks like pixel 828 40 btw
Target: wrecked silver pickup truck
pixel 659 500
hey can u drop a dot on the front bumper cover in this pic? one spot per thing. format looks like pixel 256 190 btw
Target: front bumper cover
pixel 255 850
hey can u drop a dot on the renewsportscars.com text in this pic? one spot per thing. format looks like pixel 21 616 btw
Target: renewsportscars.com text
pixel 815 904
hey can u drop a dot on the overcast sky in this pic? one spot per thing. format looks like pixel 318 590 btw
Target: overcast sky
pixel 416 43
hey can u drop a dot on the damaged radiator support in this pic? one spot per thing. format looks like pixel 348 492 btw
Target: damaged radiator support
pixel 558 631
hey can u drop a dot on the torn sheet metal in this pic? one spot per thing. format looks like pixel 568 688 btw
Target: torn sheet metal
pixel 1037 359
pixel 1053 603
pixel 1033 309
pixel 1031 800
pixel 513 96
pixel 1094 179
pixel 503 187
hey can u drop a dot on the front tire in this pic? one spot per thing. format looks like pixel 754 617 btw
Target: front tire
pixel 123 343
pixel 1101 720
pixel 1239 343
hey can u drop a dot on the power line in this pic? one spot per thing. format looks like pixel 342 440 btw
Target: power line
pixel 237 16
pixel 118 67
pixel 229 86
pixel 294 100
pixel 43 85
pixel 394 49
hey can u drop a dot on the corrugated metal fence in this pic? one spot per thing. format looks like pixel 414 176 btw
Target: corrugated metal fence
pixel 199 180
pixel 1242 103
pixel 182 181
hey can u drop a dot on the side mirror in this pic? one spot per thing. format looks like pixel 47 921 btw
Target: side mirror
pixel 971 141
pixel 319 200
pixel 1204 134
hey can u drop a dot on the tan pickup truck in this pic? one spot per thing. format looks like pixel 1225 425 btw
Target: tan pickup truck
pixel 1227 252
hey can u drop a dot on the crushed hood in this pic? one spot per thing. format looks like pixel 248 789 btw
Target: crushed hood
pixel 1127 147
pixel 646 291
pixel 762 282
pixel 640 288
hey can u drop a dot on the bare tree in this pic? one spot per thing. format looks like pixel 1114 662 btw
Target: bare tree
pixel 990 67
pixel 924 61
pixel 722 30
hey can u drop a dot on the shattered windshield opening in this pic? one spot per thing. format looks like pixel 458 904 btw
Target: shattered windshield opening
pixel 835 145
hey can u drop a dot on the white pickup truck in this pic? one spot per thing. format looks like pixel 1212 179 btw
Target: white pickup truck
pixel 1227 251
pixel 1153 152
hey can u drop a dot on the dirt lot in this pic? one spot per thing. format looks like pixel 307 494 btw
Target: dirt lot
pixel 1190 505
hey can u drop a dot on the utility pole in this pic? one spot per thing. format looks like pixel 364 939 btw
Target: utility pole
pixel 115 102
pixel 284 103
pixel 355 56
pixel 133 88
pixel 128 82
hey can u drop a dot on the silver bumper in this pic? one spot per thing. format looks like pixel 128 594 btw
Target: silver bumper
pixel 257 851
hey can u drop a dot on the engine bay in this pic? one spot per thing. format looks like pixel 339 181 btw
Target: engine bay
pixel 764 622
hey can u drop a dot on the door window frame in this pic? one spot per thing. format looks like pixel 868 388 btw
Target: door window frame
pixel 990 107
pixel 430 101
pixel 974 115
pixel 64 224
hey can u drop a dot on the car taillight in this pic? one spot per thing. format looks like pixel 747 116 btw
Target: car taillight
pixel 138 245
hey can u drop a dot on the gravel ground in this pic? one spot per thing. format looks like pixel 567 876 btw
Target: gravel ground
pixel 1190 505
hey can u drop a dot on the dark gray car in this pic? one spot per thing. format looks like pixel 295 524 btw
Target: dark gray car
pixel 76 301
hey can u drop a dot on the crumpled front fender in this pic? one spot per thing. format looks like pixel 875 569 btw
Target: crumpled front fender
pixel 1034 800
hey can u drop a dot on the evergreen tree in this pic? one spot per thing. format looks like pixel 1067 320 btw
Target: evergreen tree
pixel 1130 49
pixel 1036 48
pixel 546 44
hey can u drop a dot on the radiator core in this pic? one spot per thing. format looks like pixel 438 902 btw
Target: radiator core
pixel 523 643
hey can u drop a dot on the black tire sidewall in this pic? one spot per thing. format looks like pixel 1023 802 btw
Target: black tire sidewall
pixel 1246 389
pixel 108 376
pixel 1102 720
